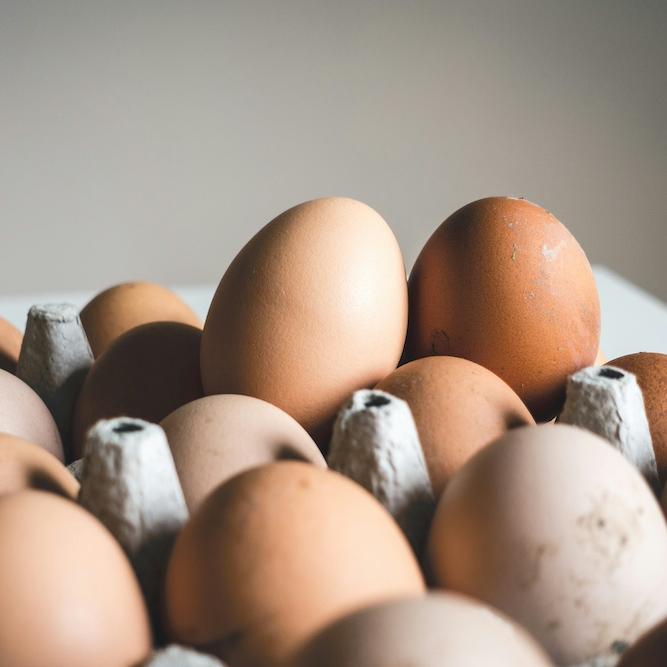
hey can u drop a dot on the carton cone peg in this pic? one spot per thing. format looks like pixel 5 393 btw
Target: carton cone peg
pixel 54 359
pixel 76 468
pixel 129 482
pixel 179 656
pixel 608 401
pixel 375 443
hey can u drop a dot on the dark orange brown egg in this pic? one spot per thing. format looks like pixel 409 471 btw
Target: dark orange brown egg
pixel 503 283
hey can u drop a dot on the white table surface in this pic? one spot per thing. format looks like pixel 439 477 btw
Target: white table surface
pixel 632 319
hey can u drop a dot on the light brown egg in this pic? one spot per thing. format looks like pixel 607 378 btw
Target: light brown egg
pixel 274 555
pixel 436 630
pixel 147 373
pixel 458 406
pixel 600 359
pixel 123 307
pixel 651 371
pixel 313 308
pixel 650 650
pixel 10 346
pixel 553 526
pixel 24 465
pixel 503 283
pixel 216 437
pixel 70 597
pixel 23 413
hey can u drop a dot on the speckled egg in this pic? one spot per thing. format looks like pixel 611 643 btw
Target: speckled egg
pixel 503 283
pixel 554 527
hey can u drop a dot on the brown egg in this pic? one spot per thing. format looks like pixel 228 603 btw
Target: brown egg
pixel 651 371
pixel 24 465
pixel 436 630
pixel 23 413
pixel 313 308
pixel 503 283
pixel 274 555
pixel 649 651
pixel 216 437
pixel 69 594
pixel 458 406
pixel 553 526
pixel 147 373
pixel 10 346
pixel 122 307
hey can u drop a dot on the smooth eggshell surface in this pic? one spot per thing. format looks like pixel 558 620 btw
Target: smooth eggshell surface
pixel 458 407
pixel 503 283
pixel 650 368
pixel 25 465
pixel 146 373
pixel 123 307
pixel 553 526
pixel 69 595
pixel 436 630
pixel 23 413
pixel 274 555
pixel 216 437
pixel 311 309
pixel 10 345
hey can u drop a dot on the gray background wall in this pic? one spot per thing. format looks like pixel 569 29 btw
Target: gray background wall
pixel 152 139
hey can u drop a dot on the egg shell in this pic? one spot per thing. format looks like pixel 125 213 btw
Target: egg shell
pixel 147 373
pixel 274 555
pixel 122 307
pixel 70 598
pixel 25 465
pixel 216 437
pixel 23 413
pixel 650 368
pixel 650 650
pixel 553 526
pixel 430 631
pixel 311 309
pixel 10 345
pixel 503 283
pixel 458 407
